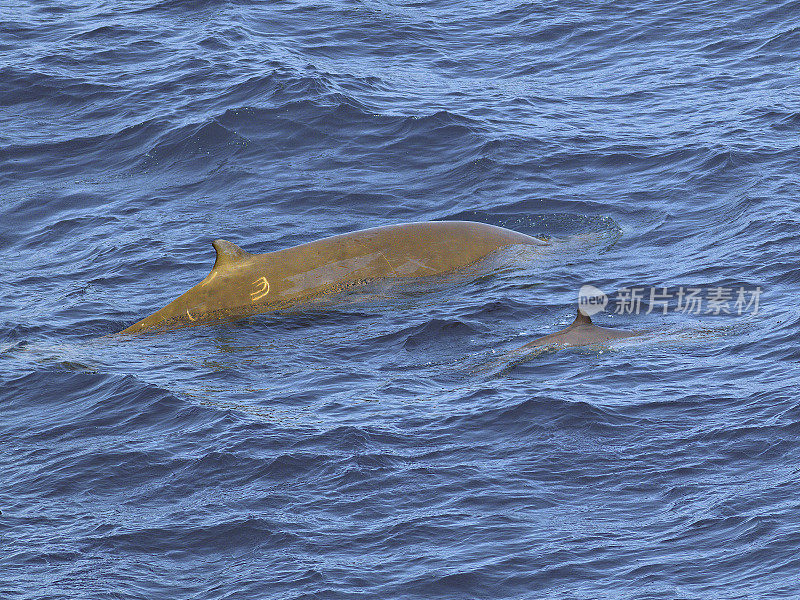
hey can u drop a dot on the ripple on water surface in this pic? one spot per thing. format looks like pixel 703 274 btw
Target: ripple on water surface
pixel 364 448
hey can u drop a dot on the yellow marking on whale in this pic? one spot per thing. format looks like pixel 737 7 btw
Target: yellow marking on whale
pixel 263 289
pixel 191 318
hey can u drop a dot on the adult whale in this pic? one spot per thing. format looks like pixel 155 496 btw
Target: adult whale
pixel 241 283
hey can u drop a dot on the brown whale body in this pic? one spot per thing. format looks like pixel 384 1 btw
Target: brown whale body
pixel 241 283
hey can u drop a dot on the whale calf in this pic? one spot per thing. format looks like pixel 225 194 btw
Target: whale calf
pixel 581 332
pixel 241 283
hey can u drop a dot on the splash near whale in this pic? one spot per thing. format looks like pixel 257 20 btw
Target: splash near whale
pixel 241 283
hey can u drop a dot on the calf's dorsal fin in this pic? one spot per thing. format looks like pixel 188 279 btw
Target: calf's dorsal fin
pixel 228 255
pixel 582 319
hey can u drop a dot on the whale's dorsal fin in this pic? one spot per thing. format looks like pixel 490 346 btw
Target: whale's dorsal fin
pixel 581 319
pixel 228 255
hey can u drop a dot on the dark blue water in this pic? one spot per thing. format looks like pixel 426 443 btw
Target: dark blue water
pixel 388 447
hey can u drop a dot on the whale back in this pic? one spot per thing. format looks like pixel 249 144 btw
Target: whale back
pixel 241 283
pixel 581 332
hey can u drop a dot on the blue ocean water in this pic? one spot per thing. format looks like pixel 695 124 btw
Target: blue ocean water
pixel 389 448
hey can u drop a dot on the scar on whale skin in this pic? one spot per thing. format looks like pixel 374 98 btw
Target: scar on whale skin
pixel 262 291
